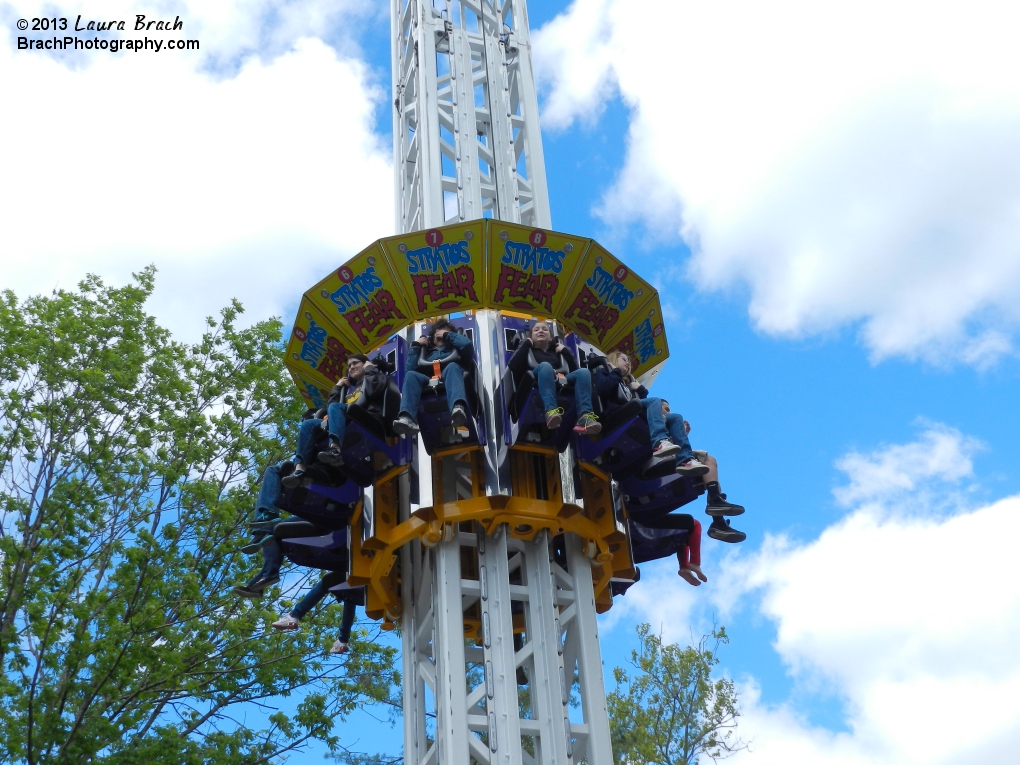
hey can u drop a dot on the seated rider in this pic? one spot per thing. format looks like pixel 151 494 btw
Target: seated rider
pixel 689 557
pixel 538 353
pixel 616 386
pixel 452 352
pixel 717 505
pixel 364 386
pixel 350 598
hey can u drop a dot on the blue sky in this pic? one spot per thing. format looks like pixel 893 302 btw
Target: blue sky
pixel 829 206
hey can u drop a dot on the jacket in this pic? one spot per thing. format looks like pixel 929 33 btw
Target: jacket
pixel 527 357
pixel 612 391
pixel 368 394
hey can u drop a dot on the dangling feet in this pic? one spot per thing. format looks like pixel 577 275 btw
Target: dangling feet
pixel 459 415
pixel 405 425
pixel 721 530
pixel 718 506
pixel 332 456
pixel 553 418
pixel 255 587
pixel 339 648
pixel 295 479
pixel 258 538
pixel 691 468
pixel 692 573
pixel 588 425
pixel 665 448
pixel 287 623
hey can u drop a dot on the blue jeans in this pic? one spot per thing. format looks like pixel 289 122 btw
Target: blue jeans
pixel 678 435
pixel 414 382
pixel 337 422
pixel 581 378
pixel 308 435
pixel 269 492
pixel 272 557
pixel 315 596
pixel 656 422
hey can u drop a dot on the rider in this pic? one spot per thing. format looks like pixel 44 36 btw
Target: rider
pixel 717 506
pixel 444 346
pixel 616 386
pixel 548 359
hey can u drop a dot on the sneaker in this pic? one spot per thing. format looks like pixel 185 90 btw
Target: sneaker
pixel 287 623
pixel 332 456
pixel 665 448
pixel 260 583
pixel 720 529
pixel 245 592
pixel 405 425
pixel 719 506
pixel 293 480
pixel 258 539
pixel 459 416
pixel 691 468
pixel 553 418
pixel 339 648
pixel 588 425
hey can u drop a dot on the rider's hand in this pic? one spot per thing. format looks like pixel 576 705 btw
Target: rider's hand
pixel 634 384
pixel 560 347
pixel 422 341
pixel 344 381
pixel 687 427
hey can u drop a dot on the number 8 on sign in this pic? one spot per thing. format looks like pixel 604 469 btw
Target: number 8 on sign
pixel 537 238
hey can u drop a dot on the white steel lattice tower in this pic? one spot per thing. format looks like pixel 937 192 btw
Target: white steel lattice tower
pixel 467 145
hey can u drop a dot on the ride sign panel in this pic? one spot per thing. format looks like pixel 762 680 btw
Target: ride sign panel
pixel 363 300
pixel 604 299
pixel 645 340
pixel 440 270
pixel 530 268
pixel 317 349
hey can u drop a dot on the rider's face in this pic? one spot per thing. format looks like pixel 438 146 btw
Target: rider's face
pixel 623 364
pixel 355 369
pixel 540 332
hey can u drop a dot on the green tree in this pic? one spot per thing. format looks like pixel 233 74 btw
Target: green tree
pixel 671 711
pixel 128 467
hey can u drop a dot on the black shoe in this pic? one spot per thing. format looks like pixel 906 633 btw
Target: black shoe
pixel 332 456
pixel 404 425
pixel 259 583
pixel 718 506
pixel 293 480
pixel 245 592
pixel 720 529
pixel 459 416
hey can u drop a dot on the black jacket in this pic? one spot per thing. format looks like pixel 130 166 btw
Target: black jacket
pixel 369 395
pixel 521 362
pixel 612 391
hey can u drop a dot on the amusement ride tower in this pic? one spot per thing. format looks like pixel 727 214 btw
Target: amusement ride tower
pixel 467 145
pixel 492 541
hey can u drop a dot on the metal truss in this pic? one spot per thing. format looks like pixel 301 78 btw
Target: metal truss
pixel 463 703
pixel 466 138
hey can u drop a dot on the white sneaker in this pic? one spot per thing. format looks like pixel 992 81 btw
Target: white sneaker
pixel 339 648
pixel 287 623
pixel 692 468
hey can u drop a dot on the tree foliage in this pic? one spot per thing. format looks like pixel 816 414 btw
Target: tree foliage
pixel 128 466
pixel 671 711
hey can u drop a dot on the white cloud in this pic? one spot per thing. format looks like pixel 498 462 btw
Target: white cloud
pixel 248 183
pixel 849 166
pixel 942 452
pixel 910 620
